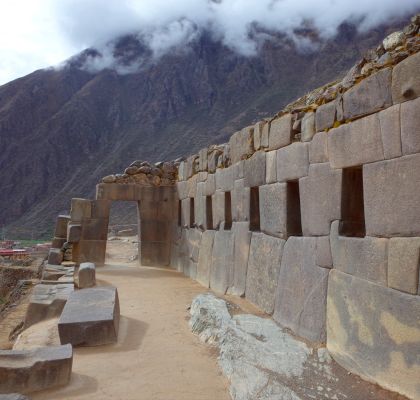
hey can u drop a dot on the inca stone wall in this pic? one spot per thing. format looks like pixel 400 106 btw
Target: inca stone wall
pixel 314 216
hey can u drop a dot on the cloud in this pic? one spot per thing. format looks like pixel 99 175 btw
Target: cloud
pixel 35 34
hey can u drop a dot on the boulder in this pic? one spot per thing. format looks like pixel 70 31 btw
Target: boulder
pixel 393 40
pixel 301 294
pixel 263 270
pixel 90 317
pixel 28 371
pixel 374 332
pixel 86 276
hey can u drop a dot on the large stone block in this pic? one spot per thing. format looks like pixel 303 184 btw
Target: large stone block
pixel 192 185
pixel 182 189
pixel 323 252
pixel 218 208
pixel 273 209
pixel 258 131
pixel 90 251
pixel 74 233
pixel 374 332
pixel 318 148
pixel 238 170
pixel 301 294
pixel 210 187
pixel 280 132
pixel 241 144
pixel 90 317
pixel 263 270
pixel 182 171
pixel 54 272
pixel 410 126
pixel 242 239
pixel 154 253
pixel 55 257
pixel 86 275
pixel 80 208
pixel 370 95
pixel 406 79
pixel 185 212
pixel 100 208
pixel 58 243
pixel 240 201
pixel 205 257
pixel 193 242
pixel 28 371
pixel 320 199
pixel 222 261
pixel 224 179
pixel 61 226
pixel 403 264
pixel 356 143
pixel 254 170
pixel 94 229
pixel 271 167
pixel 47 301
pixel 308 127
pixel 365 257
pixel 389 120
pixel 391 197
pixel 203 159
pixel 325 116
pixel 292 162
pixel 200 206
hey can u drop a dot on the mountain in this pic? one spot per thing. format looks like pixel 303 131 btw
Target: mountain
pixel 61 130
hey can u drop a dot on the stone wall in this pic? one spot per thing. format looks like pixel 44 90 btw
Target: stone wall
pixel 314 216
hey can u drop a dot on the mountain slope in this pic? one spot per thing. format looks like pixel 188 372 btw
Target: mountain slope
pixel 61 130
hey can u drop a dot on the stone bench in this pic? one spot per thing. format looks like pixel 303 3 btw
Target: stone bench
pixel 90 317
pixel 32 370
pixel 47 302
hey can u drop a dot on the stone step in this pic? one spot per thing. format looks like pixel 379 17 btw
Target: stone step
pixel 32 370
pixel 90 317
pixel 47 302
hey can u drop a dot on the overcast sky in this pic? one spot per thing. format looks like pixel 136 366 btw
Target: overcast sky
pixel 40 33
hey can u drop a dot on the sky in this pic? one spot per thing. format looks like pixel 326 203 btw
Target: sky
pixel 36 34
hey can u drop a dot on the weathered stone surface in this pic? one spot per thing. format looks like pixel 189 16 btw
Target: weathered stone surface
pixel 239 170
pixel 53 272
pixel 403 264
pixel 193 242
pixel 370 95
pixel 320 199
pixel 292 162
pixel 393 40
pixel 323 252
pixel 205 257
pixel 318 148
pixel 374 332
pixel 406 79
pixel 47 301
pixel 258 131
pixel 410 123
pixel 356 143
pixel 182 189
pixel 28 371
pixel 325 116
pixel 200 206
pixel 308 127
pixel 389 120
pixel 13 396
pixel 222 261
pixel 265 134
pixel 185 212
pixel 301 294
pixel 218 208
pixel 242 237
pixel 55 256
pixel 224 179
pixel 273 209
pixel 210 187
pixel 280 132
pixel 182 171
pixel 192 186
pixel 241 144
pixel 391 197
pixel 202 176
pixel 240 201
pixel 263 270
pixel 254 170
pixel 271 167
pixel 203 159
pixel 365 257
pixel 94 229
pixel 74 233
pixel 80 208
pixel 61 226
pixel 58 243
pixel 86 276
pixel 90 317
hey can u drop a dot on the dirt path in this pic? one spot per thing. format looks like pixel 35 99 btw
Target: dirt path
pixel 156 356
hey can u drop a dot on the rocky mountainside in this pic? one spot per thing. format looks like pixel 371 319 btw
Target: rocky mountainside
pixel 62 130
